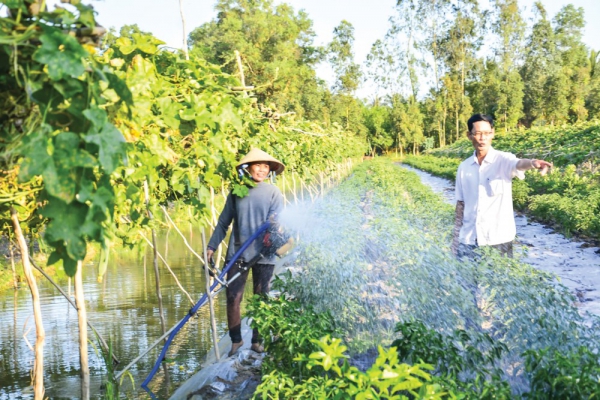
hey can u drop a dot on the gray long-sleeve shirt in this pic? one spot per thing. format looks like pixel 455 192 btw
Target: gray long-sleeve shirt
pixel 250 212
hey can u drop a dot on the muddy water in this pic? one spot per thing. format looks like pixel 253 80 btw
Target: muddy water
pixel 575 264
pixel 124 309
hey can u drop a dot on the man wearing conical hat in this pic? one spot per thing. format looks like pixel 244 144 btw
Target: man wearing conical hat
pixel 264 201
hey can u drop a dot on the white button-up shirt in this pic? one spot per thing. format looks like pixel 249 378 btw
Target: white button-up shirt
pixel 486 190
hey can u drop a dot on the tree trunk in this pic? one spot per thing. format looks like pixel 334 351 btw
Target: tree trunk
pixel 40 334
pixel 457 124
pixel 83 338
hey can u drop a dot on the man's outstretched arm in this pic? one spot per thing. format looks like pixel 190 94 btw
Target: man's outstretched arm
pixel 458 222
pixel 525 164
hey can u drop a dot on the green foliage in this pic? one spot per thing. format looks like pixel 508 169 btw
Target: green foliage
pixel 288 329
pixel 277 50
pixel 563 376
pixel 57 86
pixel 395 265
pixel 304 361
pixel 474 356
pixel 85 132
pixel 441 166
pixel 379 135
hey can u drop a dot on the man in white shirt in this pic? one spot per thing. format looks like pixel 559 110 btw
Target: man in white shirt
pixel 484 209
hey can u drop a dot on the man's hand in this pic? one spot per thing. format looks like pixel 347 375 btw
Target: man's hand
pixel 542 166
pixel 209 254
pixel 525 164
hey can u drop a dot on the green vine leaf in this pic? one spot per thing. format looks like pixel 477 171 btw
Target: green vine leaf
pixel 240 190
pixel 68 227
pixel 61 53
pixel 109 139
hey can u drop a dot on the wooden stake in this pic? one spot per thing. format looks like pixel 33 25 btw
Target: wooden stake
pixel 84 372
pixel 92 327
pixel 294 183
pixel 213 323
pixel 12 265
pixel 185 47
pixel 155 262
pixel 40 334
pixel 168 268
pixel 241 68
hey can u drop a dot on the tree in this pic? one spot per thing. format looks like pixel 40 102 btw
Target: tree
pixel 544 98
pixel 510 28
pixel 568 30
pixel 376 120
pixel 384 68
pixel 459 46
pixel 341 57
pixel 436 13
pixel 277 50
pixel 345 108
pixel 592 102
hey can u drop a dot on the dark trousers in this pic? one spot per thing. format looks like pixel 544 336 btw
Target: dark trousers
pixel 261 279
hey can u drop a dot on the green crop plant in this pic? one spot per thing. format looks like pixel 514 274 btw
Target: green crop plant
pixel 304 361
pixel 381 261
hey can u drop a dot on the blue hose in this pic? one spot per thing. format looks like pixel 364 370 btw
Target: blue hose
pixel 200 303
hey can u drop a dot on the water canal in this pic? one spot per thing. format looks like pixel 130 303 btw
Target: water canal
pixel 123 307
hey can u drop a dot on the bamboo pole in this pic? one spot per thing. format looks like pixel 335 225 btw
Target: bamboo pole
pixel 84 371
pixel 321 182
pixel 294 188
pixel 189 209
pixel 285 199
pixel 167 243
pixel 155 261
pixel 181 234
pixel 213 323
pixel 169 268
pixel 241 68
pixel 185 47
pixel 92 327
pixel 40 334
pixel 12 265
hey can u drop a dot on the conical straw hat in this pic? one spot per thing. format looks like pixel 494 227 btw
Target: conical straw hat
pixel 256 155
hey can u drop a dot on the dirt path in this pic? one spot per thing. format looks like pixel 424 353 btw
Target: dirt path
pixel 576 266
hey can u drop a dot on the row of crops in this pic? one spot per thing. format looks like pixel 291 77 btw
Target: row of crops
pixel 567 198
pixel 376 306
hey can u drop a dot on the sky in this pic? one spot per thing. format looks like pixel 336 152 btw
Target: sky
pixel 369 18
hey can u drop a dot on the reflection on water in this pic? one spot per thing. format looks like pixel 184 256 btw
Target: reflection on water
pixel 124 309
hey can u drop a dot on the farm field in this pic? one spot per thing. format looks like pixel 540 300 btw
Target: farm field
pixel 118 153
pixel 394 282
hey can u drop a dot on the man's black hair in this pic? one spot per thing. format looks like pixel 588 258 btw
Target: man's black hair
pixel 479 117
